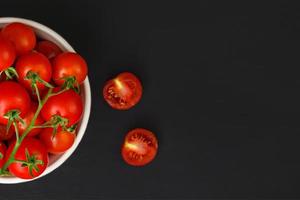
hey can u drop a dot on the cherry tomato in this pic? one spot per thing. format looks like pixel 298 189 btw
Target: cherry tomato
pixel 67 105
pixel 140 147
pixel 13 97
pixel 35 62
pixel 4 135
pixel 123 92
pixel 2 153
pixel 33 152
pixel 21 35
pixel 69 64
pixel 27 119
pixel 7 53
pixel 57 143
pixel 48 48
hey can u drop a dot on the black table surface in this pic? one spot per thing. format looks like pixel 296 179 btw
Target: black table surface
pixel 221 91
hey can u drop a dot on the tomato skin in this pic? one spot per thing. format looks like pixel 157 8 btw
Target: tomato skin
pixel 35 62
pixel 140 147
pixel 48 48
pixel 123 92
pixel 69 64
pixel 67 105
pixel 4 135
pixel 7 53
pixel 34 147
pixel 21 35
pixel 59 143
pixel 13 97
pixel 2 151
pixel 27 119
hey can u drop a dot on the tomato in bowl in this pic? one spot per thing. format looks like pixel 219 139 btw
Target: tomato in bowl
pixel 47 34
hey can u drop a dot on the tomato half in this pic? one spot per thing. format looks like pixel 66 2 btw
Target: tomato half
pixel 58 143
pixel 27 120
pixel 2 153
pixel 13 97
pixel 21 35
pixel 4 135
pixel 35 62
pixel 7 53
pixel 69 64
pixel 123 92
pixel 67 105
pixel 34 153
pixel 140 147
pixel 48 48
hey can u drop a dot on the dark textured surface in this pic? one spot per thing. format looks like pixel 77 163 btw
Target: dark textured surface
pixel 221 82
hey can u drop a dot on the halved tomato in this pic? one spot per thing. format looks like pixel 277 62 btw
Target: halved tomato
pixel 140 147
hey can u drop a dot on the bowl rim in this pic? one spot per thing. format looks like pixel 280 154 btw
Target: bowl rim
pixel 87 103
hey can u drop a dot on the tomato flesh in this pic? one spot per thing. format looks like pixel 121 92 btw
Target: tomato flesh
pixel 140 147
pixel 123 92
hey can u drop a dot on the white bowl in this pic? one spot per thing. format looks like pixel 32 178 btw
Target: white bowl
pixel 48 34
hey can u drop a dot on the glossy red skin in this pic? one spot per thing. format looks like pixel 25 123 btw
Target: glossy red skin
pixel 13 97
pixel 69 64
pixel 7 53
pixel 4 135
pixel 3 152
pixel 28 118
pixel 21 35
pixel 59 143
pixel 67 105
pixel 140 147
pixel 34 147
pixel 48 48
pixel 35 62
pixel 131 91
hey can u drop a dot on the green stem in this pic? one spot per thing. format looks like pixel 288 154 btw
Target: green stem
pixel 16 130
pixel 43 126
pixel 11 158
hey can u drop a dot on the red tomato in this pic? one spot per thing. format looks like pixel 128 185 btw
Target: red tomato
pixel 13 97
pixel 35 62
pixel 2 153
pixel 58 143
pixel 140 147
pixel 36 158
pixel 49 49
pixel 67 105
pixel 3 133
pixel 7 53
pixel 123 92
pixel 28 118
pixel 69 65
pixel 21 35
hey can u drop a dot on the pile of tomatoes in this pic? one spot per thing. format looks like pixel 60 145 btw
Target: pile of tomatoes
pixel 40 103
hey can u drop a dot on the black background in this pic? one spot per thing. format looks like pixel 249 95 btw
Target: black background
pixel 221 91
